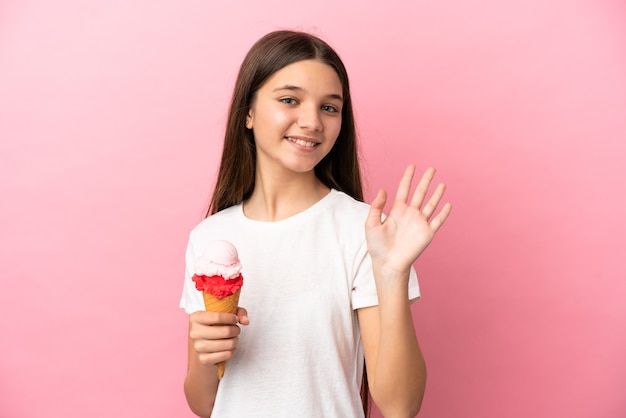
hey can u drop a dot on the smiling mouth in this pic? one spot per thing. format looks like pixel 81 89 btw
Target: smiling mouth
pixel 302 142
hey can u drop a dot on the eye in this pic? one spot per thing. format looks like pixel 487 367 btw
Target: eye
pixel 289 100
pixel 330 109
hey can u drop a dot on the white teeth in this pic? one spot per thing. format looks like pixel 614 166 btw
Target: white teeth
pixel 301 142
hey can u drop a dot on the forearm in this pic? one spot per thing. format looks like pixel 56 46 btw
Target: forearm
pixel 201 385
pixel 396 367
pixel 400 373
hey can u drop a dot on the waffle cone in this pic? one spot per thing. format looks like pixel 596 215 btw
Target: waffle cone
pixel 226 304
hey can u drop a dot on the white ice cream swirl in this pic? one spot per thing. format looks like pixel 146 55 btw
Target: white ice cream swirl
pixel 220 258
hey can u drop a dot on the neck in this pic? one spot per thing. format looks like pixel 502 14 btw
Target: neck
pixel 274 199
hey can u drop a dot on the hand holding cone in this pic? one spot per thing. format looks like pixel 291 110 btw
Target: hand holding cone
pixel 217 275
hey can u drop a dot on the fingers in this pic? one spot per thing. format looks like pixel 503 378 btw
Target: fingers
pixel 376 209
pixel 420 194
pixel 214 351
pixel 213 318
pixel 215 334
pixel 405 184
pixel 421 190
pixel 206 325
pixel 433 202
pixel 441 217
pixel 242 314
pixel 221 318
pixel 422 187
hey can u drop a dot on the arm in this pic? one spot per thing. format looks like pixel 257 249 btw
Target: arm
pixel 212 338
pixel 395 365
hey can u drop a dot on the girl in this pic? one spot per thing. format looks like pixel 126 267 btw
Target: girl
pixel 328 279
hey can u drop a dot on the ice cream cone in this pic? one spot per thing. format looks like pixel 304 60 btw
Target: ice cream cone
pixel 225 304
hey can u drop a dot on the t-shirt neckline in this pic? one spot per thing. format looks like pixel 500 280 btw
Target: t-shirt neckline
pixel 306 212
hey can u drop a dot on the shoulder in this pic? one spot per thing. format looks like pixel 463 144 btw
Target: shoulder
pixel 346 214
pixel 214 224
pixel 347 205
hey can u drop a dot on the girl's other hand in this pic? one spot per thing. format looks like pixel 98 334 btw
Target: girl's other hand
pixel 396 242
pixel 215 334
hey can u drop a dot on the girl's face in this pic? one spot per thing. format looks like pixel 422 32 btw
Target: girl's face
pixel 296 117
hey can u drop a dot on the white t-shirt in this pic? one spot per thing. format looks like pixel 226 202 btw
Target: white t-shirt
pixel 304 277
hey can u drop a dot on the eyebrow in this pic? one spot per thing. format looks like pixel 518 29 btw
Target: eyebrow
pixel 300 89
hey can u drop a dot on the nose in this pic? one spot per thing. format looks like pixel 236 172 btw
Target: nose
pixel 309 119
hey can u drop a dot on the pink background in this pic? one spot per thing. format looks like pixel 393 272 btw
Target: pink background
pixel 111 115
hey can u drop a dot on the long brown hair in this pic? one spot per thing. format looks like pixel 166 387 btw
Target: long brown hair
pixel 274 51
pixel 339 169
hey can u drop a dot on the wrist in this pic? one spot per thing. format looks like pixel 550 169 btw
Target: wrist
pixel 388 271
pixel 391 284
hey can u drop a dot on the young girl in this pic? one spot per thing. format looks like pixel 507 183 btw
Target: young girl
pixel 328 279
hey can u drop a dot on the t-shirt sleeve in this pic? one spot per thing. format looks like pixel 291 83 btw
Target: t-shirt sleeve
pixel 364 286
pixel 191 300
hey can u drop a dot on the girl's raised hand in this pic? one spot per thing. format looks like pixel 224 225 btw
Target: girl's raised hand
pixel 397 241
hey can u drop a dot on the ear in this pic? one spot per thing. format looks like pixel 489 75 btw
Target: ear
pixel 249 119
